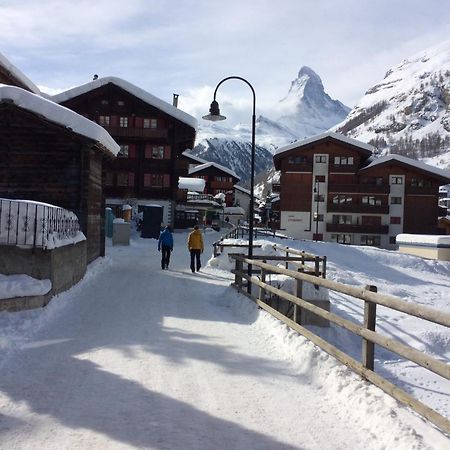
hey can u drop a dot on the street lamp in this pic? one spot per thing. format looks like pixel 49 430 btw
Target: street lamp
pixel 214 115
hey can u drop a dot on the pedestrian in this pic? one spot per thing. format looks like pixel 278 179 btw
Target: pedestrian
pixel 195 246
pixel 165 246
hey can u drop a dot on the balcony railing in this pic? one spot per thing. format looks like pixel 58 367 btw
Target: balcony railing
pixel 358 208
pixel 136 132
pixel 359 188
pixel 33 224
pixel 357 228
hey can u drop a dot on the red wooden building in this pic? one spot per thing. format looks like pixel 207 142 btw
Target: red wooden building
pixel 333 189
pixel 152 135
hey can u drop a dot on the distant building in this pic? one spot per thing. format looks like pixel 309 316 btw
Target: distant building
pixel 152 135
pixel 332 189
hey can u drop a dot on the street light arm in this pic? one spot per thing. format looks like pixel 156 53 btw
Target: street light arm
pixel 242 79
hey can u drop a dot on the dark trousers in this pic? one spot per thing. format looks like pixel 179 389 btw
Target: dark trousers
pixel 165 256
pixel 195 260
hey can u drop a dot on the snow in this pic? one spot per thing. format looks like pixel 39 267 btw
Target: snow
pixel 410 162
pixel 423 239
pixel 59 114
pixel 136 357
pixel 18 75
pixel 331 134
pixel 193 184
pixel 132 89
pixel 213 164
pixel 21 285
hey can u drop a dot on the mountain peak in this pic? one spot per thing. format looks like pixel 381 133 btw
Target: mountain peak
pixel 306 71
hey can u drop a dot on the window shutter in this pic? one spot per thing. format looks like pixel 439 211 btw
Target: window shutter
pixel 132 151
pixel 148 151
pixel 138 122
pixel 167 152
pixel 166 181
pixel 131 179
pixel 114 121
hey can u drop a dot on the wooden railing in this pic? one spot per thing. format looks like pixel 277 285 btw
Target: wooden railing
pixel 366 330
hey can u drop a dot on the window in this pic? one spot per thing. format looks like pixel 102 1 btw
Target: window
pixel 342 199
pixel 416 182
pixel 373 241
pixel 341 238
pixel 396 200
pixel 123 122
pixel 396 180
pixel 396 220
pixel 371 200
pixel 379 181
pixel 120 102
pixel 104 102
pixel 223 179
pixel 123 152
pixel 320 179
pixel 109 179
pixel 156 180
pixel 321 159
pixel 104 121
pixel 343 160
pixel 125 179
pixel 318 217
pixel 158 152
pixel 150 123
pixel 342 219
pixel 297 159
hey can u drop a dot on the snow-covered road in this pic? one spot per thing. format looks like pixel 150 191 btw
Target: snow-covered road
pixel 137 357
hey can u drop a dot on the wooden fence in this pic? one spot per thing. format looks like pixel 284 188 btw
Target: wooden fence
pixel 366 331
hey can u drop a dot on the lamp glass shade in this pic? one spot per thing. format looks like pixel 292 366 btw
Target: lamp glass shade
pixel 214 113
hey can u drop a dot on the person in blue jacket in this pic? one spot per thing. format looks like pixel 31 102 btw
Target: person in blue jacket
pixel 165 246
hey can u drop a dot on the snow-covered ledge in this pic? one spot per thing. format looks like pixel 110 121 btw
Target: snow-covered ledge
pixel 425 245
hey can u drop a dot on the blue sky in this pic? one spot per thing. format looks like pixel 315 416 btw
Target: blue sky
pixel 188 46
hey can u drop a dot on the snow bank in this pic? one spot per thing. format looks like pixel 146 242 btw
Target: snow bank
pixel 21 285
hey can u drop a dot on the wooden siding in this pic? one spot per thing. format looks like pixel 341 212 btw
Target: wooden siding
pixel 45 162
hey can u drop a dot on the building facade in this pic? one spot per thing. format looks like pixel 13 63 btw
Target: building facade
pixel 152 135
pixel 333 189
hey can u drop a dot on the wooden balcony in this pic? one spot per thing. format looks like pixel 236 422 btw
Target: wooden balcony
pixel 137 132
pixel 416 190
pixel 359 188
pixel 357 208
pixel 357 228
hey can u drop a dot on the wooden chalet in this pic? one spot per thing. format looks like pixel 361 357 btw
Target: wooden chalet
pixel 152 135
pixel 53 155
pixel 332 189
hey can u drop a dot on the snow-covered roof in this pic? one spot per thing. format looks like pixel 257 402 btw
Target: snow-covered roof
pixel 189 155
pixel 18 75
pixel 234 210
pixel 424 240
pixel 241 189
pixel 132 89
pixel 204 166
pixel 192 184
pixel 419 165
pixel 328 134
pixel 58 114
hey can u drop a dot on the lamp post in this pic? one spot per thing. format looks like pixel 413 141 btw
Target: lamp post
pixel 316 214
pixel 214 115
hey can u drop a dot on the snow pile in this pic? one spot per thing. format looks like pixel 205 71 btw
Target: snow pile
pixel 20 285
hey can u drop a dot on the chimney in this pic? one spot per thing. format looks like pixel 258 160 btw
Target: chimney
pixel 175 100
pixel 95 77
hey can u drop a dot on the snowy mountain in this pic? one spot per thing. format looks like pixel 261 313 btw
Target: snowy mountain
pixel 236 155
pixel 408 111
pixel 307 109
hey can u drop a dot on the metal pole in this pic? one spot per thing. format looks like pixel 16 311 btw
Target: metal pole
pixel 317 211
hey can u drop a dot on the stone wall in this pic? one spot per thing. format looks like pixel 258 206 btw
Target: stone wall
pixel 64 266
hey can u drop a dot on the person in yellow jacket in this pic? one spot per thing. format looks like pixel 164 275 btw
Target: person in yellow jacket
pixel 195 246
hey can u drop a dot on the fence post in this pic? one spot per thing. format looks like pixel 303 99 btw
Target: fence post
pixel 238 274
pixel 368 348
pixel 299 293
pixel 324 267
pixel 262 291
pixel 287 262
